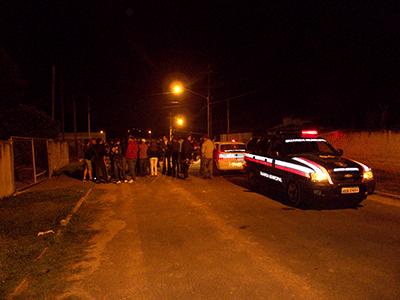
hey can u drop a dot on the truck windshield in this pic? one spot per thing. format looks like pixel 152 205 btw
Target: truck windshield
pixel 314 146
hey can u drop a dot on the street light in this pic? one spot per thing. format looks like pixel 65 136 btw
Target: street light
pixel 178 88
pixel 179 121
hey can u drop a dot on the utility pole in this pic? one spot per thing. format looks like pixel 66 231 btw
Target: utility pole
pixel 228 125
pixel 88 116
pixel 170 126
pixel 53 91
pixel 75 130
pixel 209 121
pixel 62 107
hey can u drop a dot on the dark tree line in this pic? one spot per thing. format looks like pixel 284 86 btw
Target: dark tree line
pixel 17 119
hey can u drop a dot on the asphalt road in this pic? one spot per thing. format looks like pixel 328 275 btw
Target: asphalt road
pixel 165 238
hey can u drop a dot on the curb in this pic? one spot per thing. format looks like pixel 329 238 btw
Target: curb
pixel 24 284
pixel 395 196
pixel 65 221
pixel 385 198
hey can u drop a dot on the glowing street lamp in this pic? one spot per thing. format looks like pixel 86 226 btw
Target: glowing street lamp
pixel 180 121
pixel 178 88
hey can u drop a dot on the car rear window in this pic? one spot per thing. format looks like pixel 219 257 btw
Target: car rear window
pixel 233 147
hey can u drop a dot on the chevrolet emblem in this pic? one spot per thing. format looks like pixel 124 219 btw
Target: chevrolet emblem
pixel 348 175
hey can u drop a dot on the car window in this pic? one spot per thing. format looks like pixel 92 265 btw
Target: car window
pixel 233 147
pixel 276 148
pixel 262 146
pixel 251 145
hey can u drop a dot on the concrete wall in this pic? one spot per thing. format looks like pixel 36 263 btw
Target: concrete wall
pixel 58 155
pixel 380 150
pixel 7 185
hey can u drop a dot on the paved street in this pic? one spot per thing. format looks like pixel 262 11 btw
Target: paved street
pixel 165 238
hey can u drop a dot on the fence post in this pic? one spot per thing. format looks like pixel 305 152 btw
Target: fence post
pixel 12 163
pixel 33 161
pixel 49 159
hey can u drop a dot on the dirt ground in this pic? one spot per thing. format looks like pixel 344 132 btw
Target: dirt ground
pixel 30 222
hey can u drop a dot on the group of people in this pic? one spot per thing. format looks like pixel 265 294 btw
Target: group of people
pixel 122 161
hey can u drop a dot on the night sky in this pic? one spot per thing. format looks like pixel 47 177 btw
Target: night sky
pixel 337 62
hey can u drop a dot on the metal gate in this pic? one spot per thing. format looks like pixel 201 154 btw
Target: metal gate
pixel 31 164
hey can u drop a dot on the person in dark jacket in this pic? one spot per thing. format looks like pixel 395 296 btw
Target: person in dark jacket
pixel 186 156
pixel 166 156
pixel 175 156
pixel 88 156
pixel 117 161
pixel 100 161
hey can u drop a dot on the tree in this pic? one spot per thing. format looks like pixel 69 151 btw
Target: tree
pixel 12 85
pixel 23 120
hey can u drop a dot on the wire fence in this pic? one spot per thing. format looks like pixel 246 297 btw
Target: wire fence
pixel 31 161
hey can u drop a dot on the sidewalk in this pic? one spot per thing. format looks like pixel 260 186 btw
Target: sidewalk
pixel 31 221
pixel 55 182
pixel 387 183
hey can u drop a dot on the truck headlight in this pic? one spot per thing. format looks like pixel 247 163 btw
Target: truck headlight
pixel 367 175
pixel 320 177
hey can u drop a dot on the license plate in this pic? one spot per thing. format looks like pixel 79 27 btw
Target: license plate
pixel 236 164
pixel 350 190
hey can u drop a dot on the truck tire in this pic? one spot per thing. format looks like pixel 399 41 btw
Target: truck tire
pixel 252 180
pixel 294 194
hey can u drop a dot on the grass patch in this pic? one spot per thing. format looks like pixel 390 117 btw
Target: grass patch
pixel 49 276
pixel 22 218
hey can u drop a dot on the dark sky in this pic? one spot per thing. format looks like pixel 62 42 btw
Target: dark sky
pixel 332 60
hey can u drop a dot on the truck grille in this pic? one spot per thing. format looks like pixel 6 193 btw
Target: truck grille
pixel 345 177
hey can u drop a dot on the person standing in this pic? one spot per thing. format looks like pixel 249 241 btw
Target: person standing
pixel 143 158
pixel 117 161
pixel 131 155
pixel 166 156
pixel 153 154
pixel 175 156
pixel 88 156
pixel 186 156
pixel 100 161
pixel 202 159
pixel 207 151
